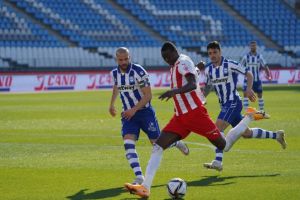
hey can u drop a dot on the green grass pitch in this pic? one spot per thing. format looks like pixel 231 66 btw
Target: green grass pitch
pixel 66 146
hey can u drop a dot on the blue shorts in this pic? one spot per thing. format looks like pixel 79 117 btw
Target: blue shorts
pixel 257 86
pixel 144 119
pixel 231 112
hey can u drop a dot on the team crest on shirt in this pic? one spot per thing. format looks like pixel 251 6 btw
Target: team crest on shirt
pixel 225 70
pixel 185 67
pixel 141 73
pixel 151 127
pixel 131 79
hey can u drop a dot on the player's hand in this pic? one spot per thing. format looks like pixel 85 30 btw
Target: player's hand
pixel 201 65
pixel 167 95
pixel 112 111
pixel 128 114
pixel 269 78
pixel 251 95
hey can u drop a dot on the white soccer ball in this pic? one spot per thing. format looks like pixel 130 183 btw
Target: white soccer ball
pixel 176 188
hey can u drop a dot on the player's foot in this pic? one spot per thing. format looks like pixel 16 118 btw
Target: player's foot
pixel 256 115
pixel 280 138
pixel 139 190
pixel 138 181
pixel 215 164
pixel 183 147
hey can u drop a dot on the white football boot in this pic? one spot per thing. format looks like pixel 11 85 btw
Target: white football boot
pixel 215 164
pixel 182 147
pixel 280 138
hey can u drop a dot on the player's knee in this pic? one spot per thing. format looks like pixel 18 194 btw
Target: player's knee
pixel 247 134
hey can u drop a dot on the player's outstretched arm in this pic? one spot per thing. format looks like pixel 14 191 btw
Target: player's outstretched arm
pixel 191 85
pixel 201 65
pixel 207 89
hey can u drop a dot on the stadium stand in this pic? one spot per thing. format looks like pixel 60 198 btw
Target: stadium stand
pixel 87 23
pixel 16 31
pixel 274 19
pixel 90 30
pixel 190 23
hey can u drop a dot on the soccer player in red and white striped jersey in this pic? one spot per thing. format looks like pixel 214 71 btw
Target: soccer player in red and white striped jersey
pixel 190 115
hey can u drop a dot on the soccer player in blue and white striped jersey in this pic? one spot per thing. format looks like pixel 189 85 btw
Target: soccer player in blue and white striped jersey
pixel 131 81
pixel 254 62
pixel 222 74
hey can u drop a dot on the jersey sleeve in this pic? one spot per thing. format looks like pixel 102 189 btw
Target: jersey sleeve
pixel 236 67
pixel 142 77
pixel 187 67
pixel 243 62
pixel 113 75
pixel 207 79
pixel 262 61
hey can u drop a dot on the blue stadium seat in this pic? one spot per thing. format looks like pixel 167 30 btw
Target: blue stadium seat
pixel 271 17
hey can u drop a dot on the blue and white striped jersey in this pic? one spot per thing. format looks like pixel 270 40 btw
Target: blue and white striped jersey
pixel 224 79
pixel 128 84
pixel 253 62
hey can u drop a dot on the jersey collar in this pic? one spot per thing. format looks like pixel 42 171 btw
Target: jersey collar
pixel 222 60
pixel 127 70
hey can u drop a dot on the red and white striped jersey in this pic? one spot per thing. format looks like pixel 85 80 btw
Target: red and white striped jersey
pixel 185 102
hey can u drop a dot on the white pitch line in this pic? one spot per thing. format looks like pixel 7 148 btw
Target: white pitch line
pixel 200 144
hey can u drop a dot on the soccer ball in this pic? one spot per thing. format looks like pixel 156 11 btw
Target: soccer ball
pixel 176 188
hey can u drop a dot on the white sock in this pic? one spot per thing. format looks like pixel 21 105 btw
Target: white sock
pixel 153 165
pixel 235 133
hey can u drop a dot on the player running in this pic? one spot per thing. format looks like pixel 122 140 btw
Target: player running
pixel 190 115
pixel 132 82
pixel 223 74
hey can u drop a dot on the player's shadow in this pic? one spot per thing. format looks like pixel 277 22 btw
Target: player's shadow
pixel 101 194
pixel 222 180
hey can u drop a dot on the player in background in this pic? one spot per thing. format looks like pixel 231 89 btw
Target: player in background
pixel 190 115
pixel 222 74
pixel 254 62
pixel 132 82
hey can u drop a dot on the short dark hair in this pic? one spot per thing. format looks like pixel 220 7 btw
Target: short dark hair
pixel 214 45
pixel 252 42
pixel 168 46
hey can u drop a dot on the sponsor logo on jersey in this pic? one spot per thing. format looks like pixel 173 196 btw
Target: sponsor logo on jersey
pixel 126 87
pixel 220 80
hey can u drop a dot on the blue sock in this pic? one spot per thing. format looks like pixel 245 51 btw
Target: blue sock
pixel 261 133
pixel 246 103
pixel 261 103
pixel 219 155
pixel 132 157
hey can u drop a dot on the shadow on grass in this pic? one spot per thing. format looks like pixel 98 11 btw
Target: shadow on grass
pixel 101 194
pixel 220 180
pixel 205 181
